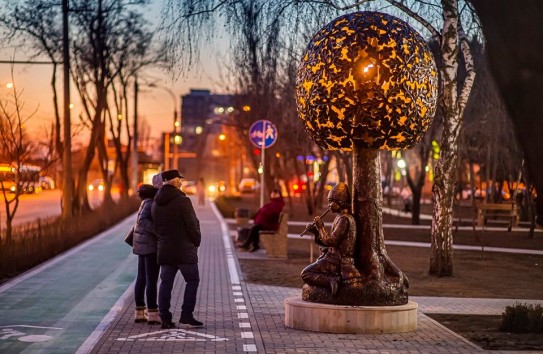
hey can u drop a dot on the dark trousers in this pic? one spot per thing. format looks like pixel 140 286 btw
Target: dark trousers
pixel 146 281
pixel 167 275
pixel 254 237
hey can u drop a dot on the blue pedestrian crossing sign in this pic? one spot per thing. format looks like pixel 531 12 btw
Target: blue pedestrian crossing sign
pixel 263 134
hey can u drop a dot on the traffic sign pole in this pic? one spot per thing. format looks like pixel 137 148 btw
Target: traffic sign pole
pixel 262 134
pixel 262 162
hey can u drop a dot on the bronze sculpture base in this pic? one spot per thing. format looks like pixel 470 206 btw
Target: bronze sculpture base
pixel 369 294
pixel 328 318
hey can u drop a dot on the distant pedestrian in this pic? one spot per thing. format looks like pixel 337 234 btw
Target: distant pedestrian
pixel 145 246
pixel 201 191
pixel 179 237
pixel 266 218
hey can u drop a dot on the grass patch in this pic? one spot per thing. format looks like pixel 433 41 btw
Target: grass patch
pixel 228 204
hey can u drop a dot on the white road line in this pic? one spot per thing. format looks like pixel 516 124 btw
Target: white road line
pixel 249 347
pixel 234 276
pixel 29 326
pixel 91 341
pixel 232 270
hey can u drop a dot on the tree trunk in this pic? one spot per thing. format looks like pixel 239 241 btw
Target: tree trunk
pixel 452 104
pixel 383 282
pixel 67 178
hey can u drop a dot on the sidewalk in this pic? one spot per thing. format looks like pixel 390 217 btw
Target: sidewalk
pixel 241 317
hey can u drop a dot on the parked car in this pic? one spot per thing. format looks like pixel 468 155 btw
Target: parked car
pixel 247 185
pixel 216 188
pixel 96 185
pixel 47 183
pixel 298 186
pixel 189 187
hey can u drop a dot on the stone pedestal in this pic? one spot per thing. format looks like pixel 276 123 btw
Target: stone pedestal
pixel 317 317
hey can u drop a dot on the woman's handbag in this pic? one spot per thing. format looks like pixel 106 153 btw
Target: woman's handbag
pixel 129 237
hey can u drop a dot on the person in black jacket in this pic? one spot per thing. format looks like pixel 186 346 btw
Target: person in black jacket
pixel 178 231
pixel 145 246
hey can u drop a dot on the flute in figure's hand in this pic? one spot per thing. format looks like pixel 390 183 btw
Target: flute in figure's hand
pixel 309 226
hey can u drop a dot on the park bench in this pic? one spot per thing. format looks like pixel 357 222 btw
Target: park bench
pixel 507 211
pixel 275 242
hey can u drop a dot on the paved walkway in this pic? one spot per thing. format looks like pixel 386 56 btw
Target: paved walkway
pixel 240 317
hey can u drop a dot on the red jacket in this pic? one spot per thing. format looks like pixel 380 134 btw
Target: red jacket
pixel 268 215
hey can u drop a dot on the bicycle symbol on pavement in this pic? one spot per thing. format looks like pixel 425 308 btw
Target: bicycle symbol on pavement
pixel 9 333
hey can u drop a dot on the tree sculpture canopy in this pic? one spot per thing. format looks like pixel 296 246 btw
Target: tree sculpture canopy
pixel 367 78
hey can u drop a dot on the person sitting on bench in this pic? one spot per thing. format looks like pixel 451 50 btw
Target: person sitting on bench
pixel 266 218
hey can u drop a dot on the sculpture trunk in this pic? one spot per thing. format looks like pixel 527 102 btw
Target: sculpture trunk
pixel 367 210
pixel 384 283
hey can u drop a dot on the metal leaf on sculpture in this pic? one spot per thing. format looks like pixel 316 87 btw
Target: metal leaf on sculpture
pixel 369 77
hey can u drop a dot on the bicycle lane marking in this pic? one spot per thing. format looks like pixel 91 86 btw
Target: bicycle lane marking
pixel 67 295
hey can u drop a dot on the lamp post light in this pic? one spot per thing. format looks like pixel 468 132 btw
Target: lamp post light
pixel 380 93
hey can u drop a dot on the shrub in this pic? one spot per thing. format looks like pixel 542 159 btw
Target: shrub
pixel 36 242
pixel 522 318
pixel 227 205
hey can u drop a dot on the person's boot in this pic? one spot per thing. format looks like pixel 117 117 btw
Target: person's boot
pixel 191 321
pixel 153 317
pixel 140 315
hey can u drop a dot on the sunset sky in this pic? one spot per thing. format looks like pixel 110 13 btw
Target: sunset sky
pixel 155 104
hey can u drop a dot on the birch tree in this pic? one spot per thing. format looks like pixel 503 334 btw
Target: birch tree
pixel 452 38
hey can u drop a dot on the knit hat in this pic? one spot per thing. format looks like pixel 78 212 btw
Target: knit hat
pixel 170 174
pixel 146 191
pixel 157 181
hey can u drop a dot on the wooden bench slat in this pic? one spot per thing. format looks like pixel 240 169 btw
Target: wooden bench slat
pixel 487 211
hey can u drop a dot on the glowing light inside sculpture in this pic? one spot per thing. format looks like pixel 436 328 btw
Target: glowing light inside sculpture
pixel 367 77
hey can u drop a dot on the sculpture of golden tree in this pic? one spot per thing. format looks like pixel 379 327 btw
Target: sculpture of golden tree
pixel 367 81
pixel 367 76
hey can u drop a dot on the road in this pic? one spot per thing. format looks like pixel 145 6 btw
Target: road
pixel 42 205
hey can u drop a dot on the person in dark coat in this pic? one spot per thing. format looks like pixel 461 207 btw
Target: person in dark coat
pixel 266 218
pixel 145 247
pixel 178 231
